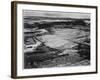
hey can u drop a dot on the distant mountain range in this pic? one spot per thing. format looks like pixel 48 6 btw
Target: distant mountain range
pixel 52 18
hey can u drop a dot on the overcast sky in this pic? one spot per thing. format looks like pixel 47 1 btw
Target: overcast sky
pixel 56 14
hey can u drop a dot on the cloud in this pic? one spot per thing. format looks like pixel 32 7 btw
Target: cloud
pixel 56 14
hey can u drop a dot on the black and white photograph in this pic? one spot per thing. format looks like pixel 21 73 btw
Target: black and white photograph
pixel 56 39
pixel 53 39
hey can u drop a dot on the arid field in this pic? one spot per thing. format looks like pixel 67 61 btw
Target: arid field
pixel 59 45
